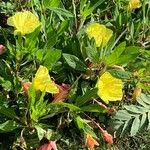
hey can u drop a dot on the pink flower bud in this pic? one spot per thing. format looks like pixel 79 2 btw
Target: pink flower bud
pixel 26 86
pixel 2 49
pixel 51 145
pixel 107 137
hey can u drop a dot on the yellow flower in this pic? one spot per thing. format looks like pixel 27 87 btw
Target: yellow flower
pixel 100 33
pixel 43 82
pixel 133 4
pixel 109 88
pixel 24 22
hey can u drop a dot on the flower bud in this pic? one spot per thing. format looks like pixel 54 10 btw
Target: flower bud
pixel 51 145
pixel 2 49
pixel 26 86
pixel 107 137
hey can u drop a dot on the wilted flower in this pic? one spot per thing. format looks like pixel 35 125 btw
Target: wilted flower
pixel 100 33
pixel 107 137
pixel 24 22
pixel 26 86
pixel 2 49
pixel 43 81
pixel 136 92
pixel 133 4
pixel 63 93
pixel 109 88
pixel 90 142
pixel 51 145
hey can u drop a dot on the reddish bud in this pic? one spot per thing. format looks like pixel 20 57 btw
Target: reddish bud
pixel 2 49
pixel 51 145
pixel 26 86
pixel 107 137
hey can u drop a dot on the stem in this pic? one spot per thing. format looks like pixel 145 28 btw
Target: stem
pixel 94 122
pixel 74 12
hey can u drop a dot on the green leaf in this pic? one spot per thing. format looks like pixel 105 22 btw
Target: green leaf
pixel 92 53
pixel 60 105
pixel 51 3
pixel 143 120
pixel 135 126
pixel 8 126
pixel 144 98
pixel 129 55
pixel 61 12
pixel 74 62
pixel 133 109
pixel 121 74
pixel 125 127
pixel 51 37
pixel 86 8
pixel 79 122
pixel 63 26
pixel 86 97
pixel 40 131
pixel 84 126
pixel 148 115
pixel 122 115
pixel 51 57
pixel 94 108
pixel 133 117
pixel 8 112
pixel 32 39
pixel 116 53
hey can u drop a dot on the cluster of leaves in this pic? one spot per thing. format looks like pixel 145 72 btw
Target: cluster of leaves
pixel 63 47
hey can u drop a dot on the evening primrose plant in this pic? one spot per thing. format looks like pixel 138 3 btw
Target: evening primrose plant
pixel 68 71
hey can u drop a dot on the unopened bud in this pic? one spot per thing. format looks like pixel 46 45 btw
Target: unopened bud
pixel 2 49
pixel 107 137
pixel 26 86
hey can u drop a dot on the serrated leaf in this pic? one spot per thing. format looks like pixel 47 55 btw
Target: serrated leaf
pixel 8 126
pixel 8 112
pixel 113 58
pixel 129 55
pixel 135 126
pixel 51 57
pixel 86 97
pixel 74 62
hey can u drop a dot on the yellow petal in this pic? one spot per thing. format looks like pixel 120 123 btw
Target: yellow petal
pixel 109 88
pixel 133 4
pixel 100 33
pixel 106 38
pixel 24 22
pixel 43 82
